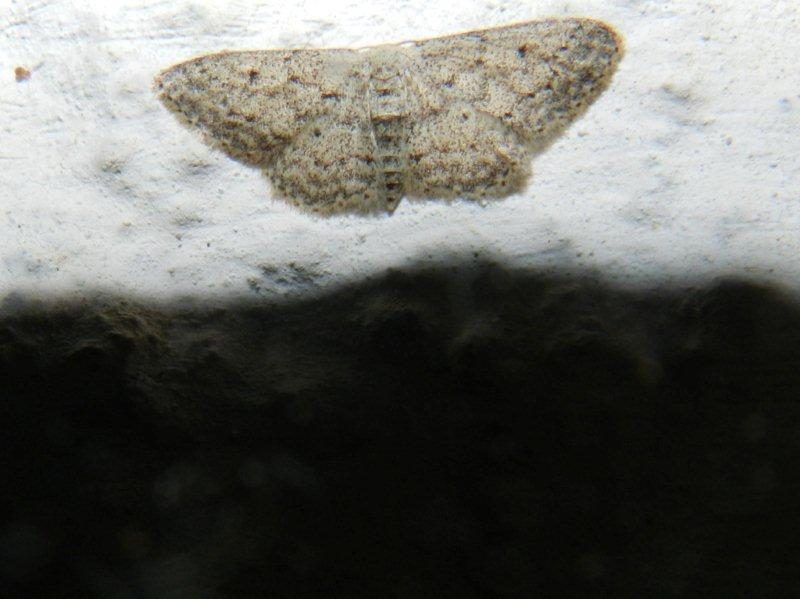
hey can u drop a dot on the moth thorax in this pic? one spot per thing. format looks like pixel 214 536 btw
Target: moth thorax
pixel 387 95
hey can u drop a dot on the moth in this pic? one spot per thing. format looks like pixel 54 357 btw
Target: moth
pixel 356 130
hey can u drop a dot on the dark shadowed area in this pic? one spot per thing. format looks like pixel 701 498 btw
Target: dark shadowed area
pixel 449 432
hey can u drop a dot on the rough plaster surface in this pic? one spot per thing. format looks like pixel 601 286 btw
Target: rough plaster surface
pixel 433 431
pixel 411 437
pixel 686 167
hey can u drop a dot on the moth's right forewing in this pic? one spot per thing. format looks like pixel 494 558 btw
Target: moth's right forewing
pixel 534 78
pixel 456 147
pixel 490 99
pixel 550 72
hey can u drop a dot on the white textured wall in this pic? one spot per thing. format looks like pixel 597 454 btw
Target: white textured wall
pixel 688 167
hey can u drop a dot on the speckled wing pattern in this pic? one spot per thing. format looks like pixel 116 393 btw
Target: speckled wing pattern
pixel 342 130
pixel 501 96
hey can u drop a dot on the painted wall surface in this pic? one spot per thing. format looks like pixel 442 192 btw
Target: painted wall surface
pixel 685 169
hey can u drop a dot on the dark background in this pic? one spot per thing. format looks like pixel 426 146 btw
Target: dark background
pixel 470 432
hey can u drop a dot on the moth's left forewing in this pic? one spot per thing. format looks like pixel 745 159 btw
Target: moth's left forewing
pixel 251 104
pixel 328 166
pixel 300 115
